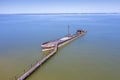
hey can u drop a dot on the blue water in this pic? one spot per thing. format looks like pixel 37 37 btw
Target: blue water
pixel 95 56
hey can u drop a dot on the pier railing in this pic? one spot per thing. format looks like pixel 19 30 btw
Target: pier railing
pixel 30 69
pixel 24 70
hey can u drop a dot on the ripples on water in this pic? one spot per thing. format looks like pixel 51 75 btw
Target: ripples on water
pixel 95 56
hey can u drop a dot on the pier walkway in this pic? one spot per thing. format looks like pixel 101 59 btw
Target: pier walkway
pixel 39 63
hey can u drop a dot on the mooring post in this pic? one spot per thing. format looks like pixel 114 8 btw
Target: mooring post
pixel 24 70
pixel 15 78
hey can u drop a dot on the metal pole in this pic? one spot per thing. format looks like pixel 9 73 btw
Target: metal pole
pixel 68 30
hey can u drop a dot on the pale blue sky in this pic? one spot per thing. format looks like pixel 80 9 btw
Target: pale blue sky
pixel 59 6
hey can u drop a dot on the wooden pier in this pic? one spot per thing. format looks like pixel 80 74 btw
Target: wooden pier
pixel 39 63
pixel 30 71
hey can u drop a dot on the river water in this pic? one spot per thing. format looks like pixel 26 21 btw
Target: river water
pixel 94 56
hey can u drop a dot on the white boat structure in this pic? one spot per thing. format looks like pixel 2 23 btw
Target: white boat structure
pixel 51 44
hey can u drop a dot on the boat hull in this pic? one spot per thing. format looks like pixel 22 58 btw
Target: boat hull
pixel 60 43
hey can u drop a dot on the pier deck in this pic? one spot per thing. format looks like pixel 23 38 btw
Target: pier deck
pixel 30 71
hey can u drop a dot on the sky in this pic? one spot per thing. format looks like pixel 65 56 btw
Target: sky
pixel 59 6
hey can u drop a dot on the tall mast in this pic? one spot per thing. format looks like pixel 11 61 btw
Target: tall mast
pixel 68 30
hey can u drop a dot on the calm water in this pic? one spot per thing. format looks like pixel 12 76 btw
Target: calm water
pixel 95 56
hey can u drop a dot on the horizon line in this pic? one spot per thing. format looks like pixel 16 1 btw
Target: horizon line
pixel 63 13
